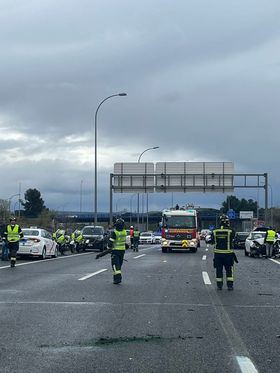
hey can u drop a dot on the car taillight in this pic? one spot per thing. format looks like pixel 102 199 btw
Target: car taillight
pixel 36 240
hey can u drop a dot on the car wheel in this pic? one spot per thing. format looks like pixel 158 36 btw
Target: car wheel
pixel 55 253
pixel 101 248
pixel 245 252
pixel 194 249
pixel 43 256
pixel 164 249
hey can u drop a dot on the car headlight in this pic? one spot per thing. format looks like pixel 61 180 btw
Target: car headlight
pixel 192 243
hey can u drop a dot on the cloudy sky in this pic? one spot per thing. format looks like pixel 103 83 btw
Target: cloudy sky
pixel 202 79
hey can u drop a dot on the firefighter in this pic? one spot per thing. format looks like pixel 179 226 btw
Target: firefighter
pixel 136 237
pixel 131 233
pixel 13 234
pixel 118 246
pixel 224 255
pixel 269 239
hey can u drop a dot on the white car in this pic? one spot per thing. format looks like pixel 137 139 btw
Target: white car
pixel 157 238
pixel 37 242
pixel 147 237
pixel 254 236
pixel 208 238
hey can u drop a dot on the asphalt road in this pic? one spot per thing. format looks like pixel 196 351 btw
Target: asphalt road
pixel 65 315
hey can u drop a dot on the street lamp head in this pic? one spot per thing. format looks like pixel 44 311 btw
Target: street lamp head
pixel 155 147
pixel 122 94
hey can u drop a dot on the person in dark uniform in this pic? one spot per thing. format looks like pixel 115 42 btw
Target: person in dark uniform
pixel 13 234
pixel 117 244
pixel 269 239
pixel 224 256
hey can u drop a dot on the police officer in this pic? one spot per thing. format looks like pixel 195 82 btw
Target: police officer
pixel 118 245
pixel 60 239
pixel 269 239
pixel 13 234
pixel 77 237
pixel 223 252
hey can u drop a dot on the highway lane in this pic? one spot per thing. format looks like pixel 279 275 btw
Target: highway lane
pixel 162 318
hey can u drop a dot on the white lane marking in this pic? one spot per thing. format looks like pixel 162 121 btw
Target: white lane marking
pixel 204 257
pixel 139 256
pixel 92 274
pixel 161 304
pixel 164 261
pixel 206 249
pixel 206 278
pixel 47 260
pixel 275 261
pixel 246 365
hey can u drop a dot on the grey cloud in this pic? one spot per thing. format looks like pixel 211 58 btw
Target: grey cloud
pixel 200 83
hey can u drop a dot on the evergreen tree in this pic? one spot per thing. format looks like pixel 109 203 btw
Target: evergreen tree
pixel 33 204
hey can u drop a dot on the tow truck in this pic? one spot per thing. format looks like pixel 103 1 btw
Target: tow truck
pixel 179 230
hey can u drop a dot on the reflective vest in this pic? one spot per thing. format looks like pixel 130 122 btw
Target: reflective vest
pixel 136 234
pixel 222 241
pixel 59 236
pixel 78 238
pixel 119 242
pixel 270 236
pixel 13 233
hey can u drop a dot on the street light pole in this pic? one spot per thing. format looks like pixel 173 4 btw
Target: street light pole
pixel 138 202
pixel 95 152
pixel 81 195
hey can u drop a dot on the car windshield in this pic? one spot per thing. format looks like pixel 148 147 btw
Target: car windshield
pixel 179 221
pixel 31 232
pixel 255 235
pixel 146 234
pixel 242 235
pixel 90 231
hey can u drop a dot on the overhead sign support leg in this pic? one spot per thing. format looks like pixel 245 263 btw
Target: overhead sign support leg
pixel 266 199
pixel 111 199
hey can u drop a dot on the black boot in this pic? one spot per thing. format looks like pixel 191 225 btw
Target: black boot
pixel 13 263
pixel 117 279
pixel 230 285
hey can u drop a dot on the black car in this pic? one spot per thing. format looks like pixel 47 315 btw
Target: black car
pixel 239 240
pixel 95 238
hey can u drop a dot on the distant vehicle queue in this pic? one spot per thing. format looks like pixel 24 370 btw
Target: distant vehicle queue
pixel 40 243
pixel 178 231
